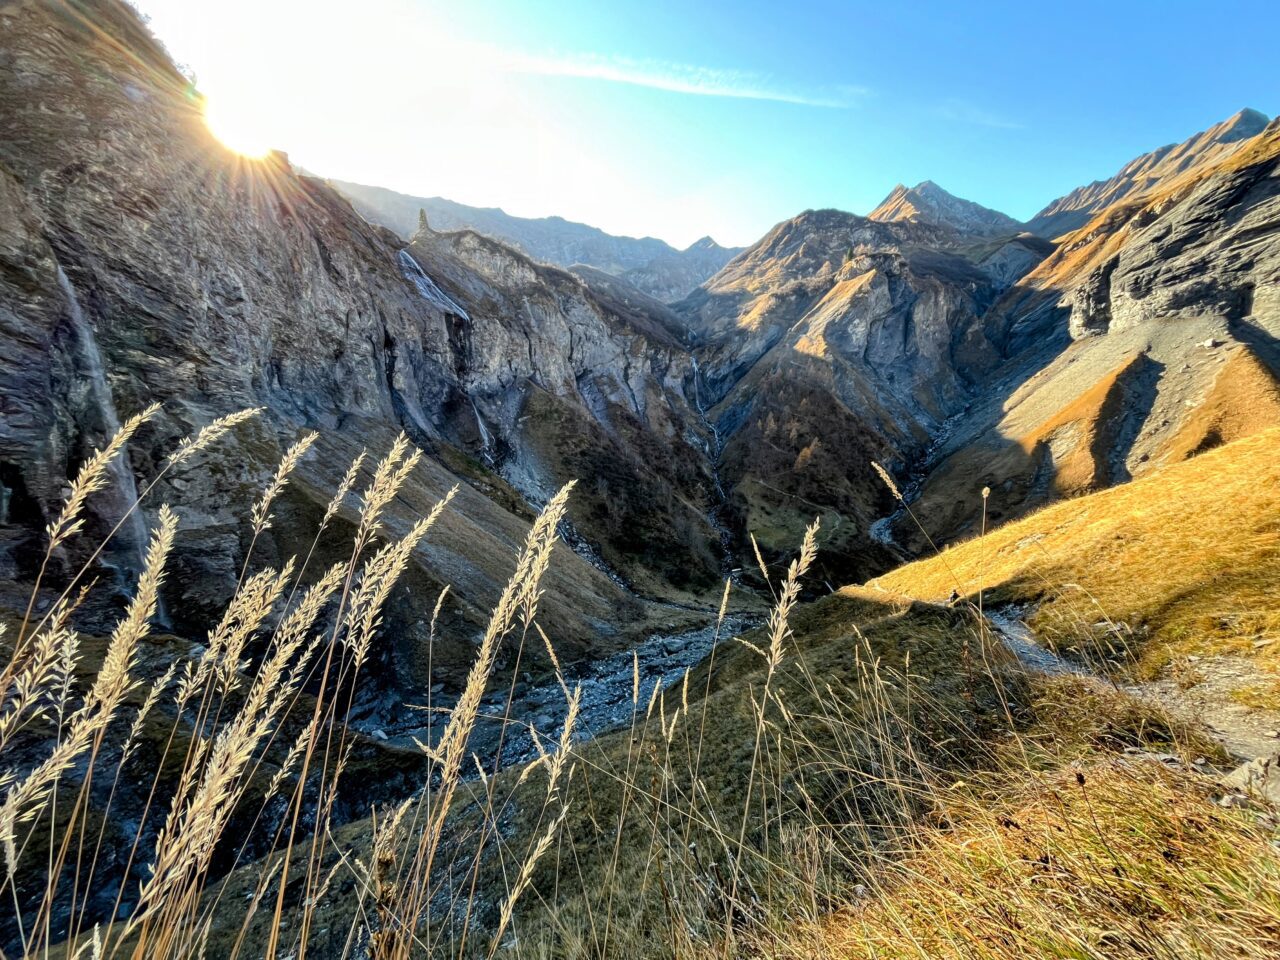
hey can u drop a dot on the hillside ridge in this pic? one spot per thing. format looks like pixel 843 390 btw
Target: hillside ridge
pixel 1144 173
pixel 651 265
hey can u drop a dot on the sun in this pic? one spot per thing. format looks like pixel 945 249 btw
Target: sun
pixel 242 129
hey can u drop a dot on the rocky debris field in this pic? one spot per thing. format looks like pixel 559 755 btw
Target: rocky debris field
pixel 614 690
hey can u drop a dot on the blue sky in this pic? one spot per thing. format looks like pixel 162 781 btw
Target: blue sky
pixel 678 119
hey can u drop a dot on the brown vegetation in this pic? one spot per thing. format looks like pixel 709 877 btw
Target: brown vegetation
pixel 865 775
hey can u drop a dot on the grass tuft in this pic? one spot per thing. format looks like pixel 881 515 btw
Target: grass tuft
pixel 866 775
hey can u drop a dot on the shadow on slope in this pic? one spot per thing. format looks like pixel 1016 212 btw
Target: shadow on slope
pixel 1185 560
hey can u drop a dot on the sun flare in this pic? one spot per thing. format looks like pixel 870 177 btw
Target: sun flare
pixel 238 129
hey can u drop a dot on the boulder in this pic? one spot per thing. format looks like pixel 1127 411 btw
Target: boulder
pixel 1259 778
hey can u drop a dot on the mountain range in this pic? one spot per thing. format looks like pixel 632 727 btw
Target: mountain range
pixel 1145 173
pixel 651 265
pixel 935 337
pixel 710 402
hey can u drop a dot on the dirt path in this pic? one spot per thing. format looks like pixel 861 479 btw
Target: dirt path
pixel 1204 695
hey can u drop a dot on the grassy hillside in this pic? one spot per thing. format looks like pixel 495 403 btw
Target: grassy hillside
pixel 1105 859
pixel 676 826
pixel 1184 561
pixel 874 776
pixel 864 775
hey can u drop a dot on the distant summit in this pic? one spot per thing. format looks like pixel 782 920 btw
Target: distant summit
pixel 928 203
pixel 1077 208
pixel 704 244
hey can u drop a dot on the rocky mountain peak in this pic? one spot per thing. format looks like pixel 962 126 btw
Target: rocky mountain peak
pixel 929 203
pixel 1145 173
pixel 1240 125
pixel 706 243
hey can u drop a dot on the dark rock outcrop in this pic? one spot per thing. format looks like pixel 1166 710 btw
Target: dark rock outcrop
pixel 1091 302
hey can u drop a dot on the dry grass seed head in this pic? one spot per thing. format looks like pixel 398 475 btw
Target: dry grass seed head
pixel 114 681
pixel 92 477
pixel 191 445
pixel 260 515
pixel 888 480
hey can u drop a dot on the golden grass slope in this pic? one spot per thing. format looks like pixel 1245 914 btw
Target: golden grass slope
pixel 1244 399
pixel 1112 859
pixel 1184 560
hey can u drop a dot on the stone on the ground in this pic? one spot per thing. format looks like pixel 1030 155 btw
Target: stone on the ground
pixel 1260 778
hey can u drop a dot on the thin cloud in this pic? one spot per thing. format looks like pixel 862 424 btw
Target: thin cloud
pixel 962 111
pixel 683 78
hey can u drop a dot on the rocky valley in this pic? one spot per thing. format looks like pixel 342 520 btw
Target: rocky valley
pixel 912 379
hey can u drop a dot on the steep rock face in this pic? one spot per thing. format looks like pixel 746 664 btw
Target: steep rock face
pixel 834 341
pixel 1012 258
pixel 56 405
pixel 169 238
pixel 927 202
pixel 1195 245
pixel 649 264
pixel 1091 302
pixel 743 310
pixel 210 283
pixel 569 380
pixel 203 283
pixel 1144 173
pixel 1176 286
pixel 899 298
pixel 1195 248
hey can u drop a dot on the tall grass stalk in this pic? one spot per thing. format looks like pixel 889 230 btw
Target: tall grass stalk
pixel 836 784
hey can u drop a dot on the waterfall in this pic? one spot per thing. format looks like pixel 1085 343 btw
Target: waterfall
pixel 714 450
pixel 94 409
pixel 427 287
pixel 486 440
